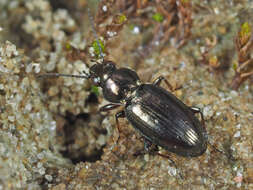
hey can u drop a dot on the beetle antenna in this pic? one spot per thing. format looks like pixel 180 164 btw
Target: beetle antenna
pixel 86 76
pixel 95 34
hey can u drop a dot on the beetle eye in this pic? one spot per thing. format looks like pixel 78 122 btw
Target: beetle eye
pixel 96 81
pixel 108 67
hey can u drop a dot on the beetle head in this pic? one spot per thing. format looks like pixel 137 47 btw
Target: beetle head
pixel 101 71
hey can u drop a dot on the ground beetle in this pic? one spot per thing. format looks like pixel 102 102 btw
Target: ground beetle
pixel 161 118
pixel 158 115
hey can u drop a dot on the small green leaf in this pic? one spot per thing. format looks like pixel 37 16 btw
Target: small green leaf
pixel 121 19
pixel 94 89
pixel 158 17
pixel 97 49
pixel 244 34
pixel 245 29
pixel 234 66
pixel 68 46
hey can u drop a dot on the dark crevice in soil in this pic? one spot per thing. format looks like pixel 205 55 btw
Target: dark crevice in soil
pixel 76 133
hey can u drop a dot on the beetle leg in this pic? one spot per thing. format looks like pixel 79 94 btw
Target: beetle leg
pixel 158 81
pixel 195 109
pixel 153 149
pixel 149 147
pixel 108 107
pixel 198 110
pixel 172 162
pixel 118 115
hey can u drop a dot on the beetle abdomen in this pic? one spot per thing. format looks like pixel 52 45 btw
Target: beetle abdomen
pixel 165 121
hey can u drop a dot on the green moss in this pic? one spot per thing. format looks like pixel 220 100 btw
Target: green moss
pixel 96 47
pixel 158 17
pixel 68 46
pixel 245 30
pixel 94 89
pixel 234 66
pixel 121 19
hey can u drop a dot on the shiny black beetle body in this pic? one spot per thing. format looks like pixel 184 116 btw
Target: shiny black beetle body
pixel 160 118
pixel 165 121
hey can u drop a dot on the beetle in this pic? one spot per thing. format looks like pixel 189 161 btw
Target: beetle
pixel 160 117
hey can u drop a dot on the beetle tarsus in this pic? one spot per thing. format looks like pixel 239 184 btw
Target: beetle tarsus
pixel 118 115
pixel 172 162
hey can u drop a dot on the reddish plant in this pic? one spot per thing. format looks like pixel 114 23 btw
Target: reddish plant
pixel 244 66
